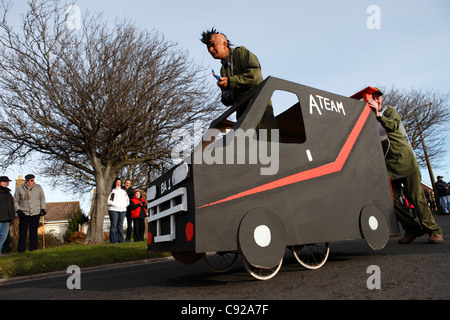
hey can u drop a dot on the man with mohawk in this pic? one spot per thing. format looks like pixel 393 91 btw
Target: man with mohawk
pixel 240 73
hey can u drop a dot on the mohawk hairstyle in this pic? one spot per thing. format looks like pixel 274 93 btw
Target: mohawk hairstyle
pixel 206 36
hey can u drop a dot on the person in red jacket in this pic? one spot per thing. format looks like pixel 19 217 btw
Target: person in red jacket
pixel 138 209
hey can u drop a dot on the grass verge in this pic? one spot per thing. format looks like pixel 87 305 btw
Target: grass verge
pixel 83 256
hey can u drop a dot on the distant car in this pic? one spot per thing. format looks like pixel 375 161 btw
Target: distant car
pixel 329 183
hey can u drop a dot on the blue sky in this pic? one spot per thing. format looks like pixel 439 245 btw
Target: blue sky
pixel 323 44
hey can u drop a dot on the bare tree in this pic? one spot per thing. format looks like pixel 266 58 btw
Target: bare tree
pixel 424 114
pixel 90 102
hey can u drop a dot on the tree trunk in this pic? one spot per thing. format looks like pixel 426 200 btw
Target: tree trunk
pixel 100 208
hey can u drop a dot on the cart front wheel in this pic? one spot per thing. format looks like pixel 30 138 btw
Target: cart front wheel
pixel 311 256
pixel 262 238
pixel 261 273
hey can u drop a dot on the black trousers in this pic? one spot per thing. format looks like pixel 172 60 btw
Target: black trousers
pixel 28 223
pixel 129 224
pixel 139 229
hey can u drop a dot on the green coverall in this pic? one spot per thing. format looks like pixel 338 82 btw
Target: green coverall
pixel 403 169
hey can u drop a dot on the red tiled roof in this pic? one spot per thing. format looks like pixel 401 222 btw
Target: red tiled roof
pixel 57 211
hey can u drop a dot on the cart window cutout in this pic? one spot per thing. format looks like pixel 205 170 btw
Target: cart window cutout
pixel 288 114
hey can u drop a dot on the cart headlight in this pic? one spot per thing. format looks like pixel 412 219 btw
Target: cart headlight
pixel 151 193
pixel 180 173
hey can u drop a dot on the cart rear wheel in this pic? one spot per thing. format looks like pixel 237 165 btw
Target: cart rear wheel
pixel 220 261
pixel 261 273
pixel 374 228
pixel 311 256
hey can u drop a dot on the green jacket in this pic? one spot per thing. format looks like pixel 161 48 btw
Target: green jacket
pixel 243 71
pixel 400 158
pixel 244 74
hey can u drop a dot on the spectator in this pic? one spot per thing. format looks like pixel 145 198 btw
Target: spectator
pixel 130 191
pixel 138 208
pixel 117 207
pixel 29 201
pixel 443 193
pixel 7 214
pixel 430 200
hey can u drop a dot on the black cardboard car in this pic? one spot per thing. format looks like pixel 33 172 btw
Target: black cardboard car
pixel 330 184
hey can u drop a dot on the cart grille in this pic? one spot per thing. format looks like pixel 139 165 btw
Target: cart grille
pixel 166 208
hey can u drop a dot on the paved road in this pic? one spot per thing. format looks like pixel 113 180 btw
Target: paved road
pixel 415 271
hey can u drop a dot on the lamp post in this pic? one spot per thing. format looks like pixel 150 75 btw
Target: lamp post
pixel 427 159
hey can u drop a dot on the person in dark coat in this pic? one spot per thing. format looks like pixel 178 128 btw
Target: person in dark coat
pixel 444 194
pixel 7 213
pixel 130 191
